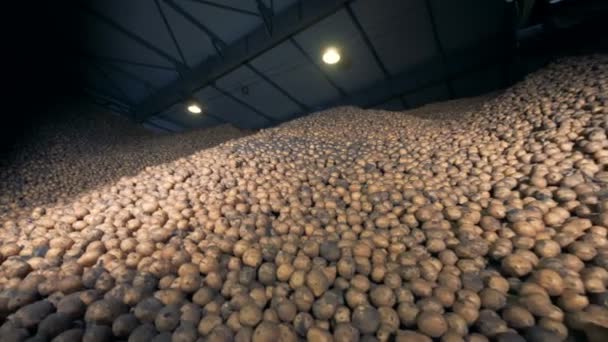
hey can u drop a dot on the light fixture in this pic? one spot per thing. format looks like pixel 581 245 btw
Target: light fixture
pixel 331 56
pixel 194 107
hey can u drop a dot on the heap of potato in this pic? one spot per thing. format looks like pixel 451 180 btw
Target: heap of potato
pixel 79 148
pixel 467 223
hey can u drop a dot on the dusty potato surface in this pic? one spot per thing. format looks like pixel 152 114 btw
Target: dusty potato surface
pixel 463 221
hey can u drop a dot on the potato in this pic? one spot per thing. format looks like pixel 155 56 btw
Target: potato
pixel 266 332
pixel 382 296
pixel 540 334
pixel 54 324
pixel 208 323
pixel 492 299
pixel 490 324
pixel 95 332
pixel 252 257
pixel 302 323
pixel 509 336
pixel 317 282
pixel 516 265
pixel 366 319
pixel 286 310
pixel 407 313
pixel 146 310
pixel 431 323
pixel 32 314
pixel 167 319
pixel 124 325
pixel 570 300
pixel 104 311
pixel 344 332
pixel 250 315
pixel 75 334
pixel 518 317
pixel 185 332
pixel 408 335
pixel 143 333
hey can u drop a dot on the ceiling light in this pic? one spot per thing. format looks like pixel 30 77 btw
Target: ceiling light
pixel 331 56
pixel 194 109
pixel 194 106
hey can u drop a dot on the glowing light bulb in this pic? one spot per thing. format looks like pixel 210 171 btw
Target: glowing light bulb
pixel 195 109
pixel 331 56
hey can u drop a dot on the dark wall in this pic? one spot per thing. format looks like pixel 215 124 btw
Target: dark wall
pixel 39 49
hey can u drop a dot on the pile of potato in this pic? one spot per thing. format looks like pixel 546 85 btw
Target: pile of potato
pixel 464 223
pixel 79 147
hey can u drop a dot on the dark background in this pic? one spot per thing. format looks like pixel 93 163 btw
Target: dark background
pixel 41 41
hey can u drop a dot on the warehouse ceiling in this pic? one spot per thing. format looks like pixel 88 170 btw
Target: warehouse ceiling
pixel 256 63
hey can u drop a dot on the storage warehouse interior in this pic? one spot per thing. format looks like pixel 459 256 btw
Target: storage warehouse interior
pixel 305 170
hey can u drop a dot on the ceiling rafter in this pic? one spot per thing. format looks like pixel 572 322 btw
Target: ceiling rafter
pixel 496 61
pixel 113 84
pixel 171 121
pixel 149 86
pixel 316 65
pixel 216 40
pixel 277 87
pixel 442 55
pixel 171 33
pixel 226 7
pixel 101 94
pixel 108 21
pixel 367 41
pixel 129 62
pixel 245 104
pixel 267 15
pixel 370 47
pixel 162 128
pixel 216 117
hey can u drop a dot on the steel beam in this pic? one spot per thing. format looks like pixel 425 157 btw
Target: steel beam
pixel 162 128
pixel 367 41
pixel 108 21
pixel 316 65
pixel 149 86
pixel 286 24
pixel 170 30
pixel 113 84
pixel 442 55
pixel 101 93
pixel 212 36
pixel 216 117
pixel 244 104
pixel 102 97
pixel 173 122
pixel 226 7
pixel 266 14
pixel 441 80
pixel 277 87
pixel 128 62
pixel 108 102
